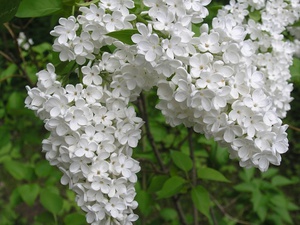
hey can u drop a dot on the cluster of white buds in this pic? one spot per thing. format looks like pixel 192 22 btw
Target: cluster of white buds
pixel 230 82
pixel 23 42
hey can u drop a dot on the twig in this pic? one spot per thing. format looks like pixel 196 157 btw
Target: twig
pixel 149 134
pixel 179 210
pixel 222 209
pixel 213 216
pixel 24 73
pixel 153 167
pixel 182 141
pixel 294 128
pixel 194 172
pixel 175 199
pixel 233 201
pixel 6 56
pixel 12 34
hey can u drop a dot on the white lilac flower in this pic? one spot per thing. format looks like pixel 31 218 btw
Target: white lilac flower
pixel 91 75
pixel 66 52
pixel 73 93
pixel 109 63
pixel 93 13
pixel 173 47
pixel 200 63
pixel 75 119
pixel 208 42
pixel 151 48
pixel 56 105
pixel 164 21
pixel 144 33
pixel 47 77
pixel 113 22
pixel 66 30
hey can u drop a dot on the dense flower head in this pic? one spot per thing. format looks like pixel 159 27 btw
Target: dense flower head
pixel 226 89
pixel 230 83
pixel 90 142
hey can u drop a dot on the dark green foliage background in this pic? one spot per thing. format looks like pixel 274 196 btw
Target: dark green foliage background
pixel 189 177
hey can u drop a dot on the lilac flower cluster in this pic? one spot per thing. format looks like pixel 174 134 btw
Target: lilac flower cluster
pixel 91 141
pixel 230 83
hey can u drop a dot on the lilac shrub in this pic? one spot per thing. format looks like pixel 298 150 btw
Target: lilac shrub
pixel 229 83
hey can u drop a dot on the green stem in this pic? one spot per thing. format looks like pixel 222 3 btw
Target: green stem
pixel 55 219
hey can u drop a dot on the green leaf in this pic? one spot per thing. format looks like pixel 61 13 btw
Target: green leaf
pixel 51 201
pixel 284 214
pixel 182 160
pixel 196 29
pixel 201 200
pixel 296 24
pixel 281 181
pixel 14 198
pixel 169 214
pixel 295 70
pixel 5 136
pixel 144 200
pixel 247 174
pixel 262 212
pixel 171 187
pixel 156 183
pixel 2 113
pixel 245 187
pixel 75 219
pixel 279 200
pixel 256 199
pixel 29 192
pixel 8 9
pixel 18 170
pixel 211 174
pixel 271 172
pixel 255 15
pixel 124 35
pixel 145 155
pixel 219 155
pixel 292 206
pixel 4 150
pixel 45 218
pixel 41 48
pixel 43 168
pixel 7 74
pixel 158 130
pixel 5 158
pixel 15 102
pixel 69 2
pixel 64 67
pixel 34 8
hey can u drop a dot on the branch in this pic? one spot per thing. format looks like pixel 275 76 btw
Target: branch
pixel 179 210
pixel 194 172
pixel 143 109
pixel 23 71
pixel 213 216
pixel 294 128
pixel 222 209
